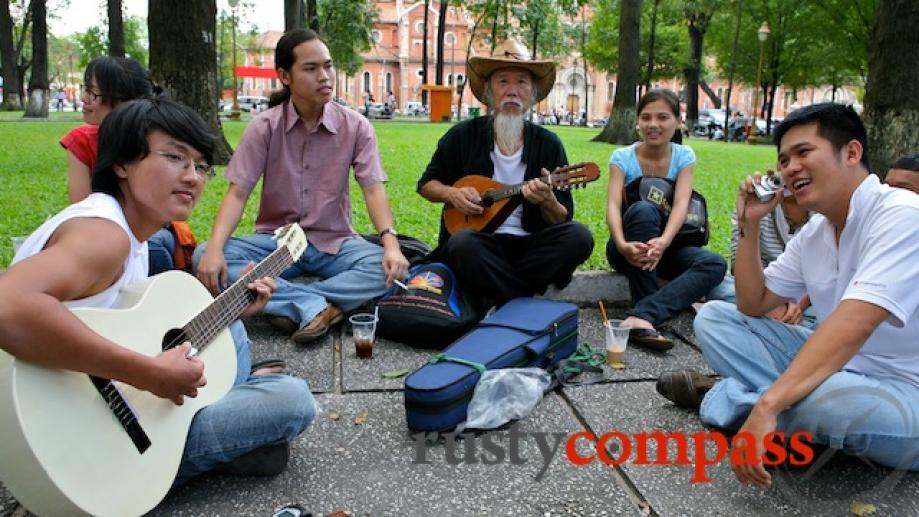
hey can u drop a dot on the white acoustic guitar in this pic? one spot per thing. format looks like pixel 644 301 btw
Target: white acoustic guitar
pixel 72 444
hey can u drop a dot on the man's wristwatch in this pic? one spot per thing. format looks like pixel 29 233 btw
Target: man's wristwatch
pixel 390 231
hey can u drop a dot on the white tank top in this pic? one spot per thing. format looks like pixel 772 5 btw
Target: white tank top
pixel 102 206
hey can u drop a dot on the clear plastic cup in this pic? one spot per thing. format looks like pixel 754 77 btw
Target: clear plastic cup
pixel 617 338
pixel 364 327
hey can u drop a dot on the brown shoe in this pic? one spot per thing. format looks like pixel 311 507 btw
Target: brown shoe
pixel 319 326
pixel 685 388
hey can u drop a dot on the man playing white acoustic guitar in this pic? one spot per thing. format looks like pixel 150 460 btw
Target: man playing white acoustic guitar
pixel 153 164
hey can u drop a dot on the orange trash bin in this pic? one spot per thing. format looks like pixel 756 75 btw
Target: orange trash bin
pixel 441 100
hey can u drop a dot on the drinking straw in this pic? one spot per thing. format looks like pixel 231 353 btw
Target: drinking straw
pixel 603 311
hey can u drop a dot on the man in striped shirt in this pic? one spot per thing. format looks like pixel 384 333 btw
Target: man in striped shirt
pixel 775 230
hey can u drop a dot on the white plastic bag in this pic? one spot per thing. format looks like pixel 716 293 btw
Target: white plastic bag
pixel 504 395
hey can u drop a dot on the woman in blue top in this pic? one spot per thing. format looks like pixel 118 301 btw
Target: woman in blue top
pixel 641 244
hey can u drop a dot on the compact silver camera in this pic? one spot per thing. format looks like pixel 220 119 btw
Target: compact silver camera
pixel 768 187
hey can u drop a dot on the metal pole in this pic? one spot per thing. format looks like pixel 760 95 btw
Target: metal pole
pixel 751 138
pixel 234 110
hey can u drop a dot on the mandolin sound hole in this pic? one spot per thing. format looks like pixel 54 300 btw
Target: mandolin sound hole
pixel 174 338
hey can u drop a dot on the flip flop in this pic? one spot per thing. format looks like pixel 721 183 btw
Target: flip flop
pixel 650 339
pixel 292 510
pixel 269 363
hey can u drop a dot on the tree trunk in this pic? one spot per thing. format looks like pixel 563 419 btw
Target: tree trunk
pixel 892 93
pixel 697 27
pixel 535 42
pixel 620 128
pixel 9 58
pixel 584 58
pixel 441 29
pixel 312 15
pixel 115 29
pixel 711 93
pixel 727 100
pixel 183 59
pixel 424 55
pixel 293 15
pixel 38 84
pixel 650 69
pixel 23 66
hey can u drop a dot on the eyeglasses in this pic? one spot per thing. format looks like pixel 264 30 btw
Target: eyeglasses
pixel 89 96
pixel 181 162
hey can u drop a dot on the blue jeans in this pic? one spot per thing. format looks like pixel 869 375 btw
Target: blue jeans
pixel 350 277
pixel 871 416
pixel 257 411
pixel 726 291
pixel 161 247
pixel 692 272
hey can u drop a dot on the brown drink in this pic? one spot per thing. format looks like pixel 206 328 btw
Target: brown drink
pixel 613 358
pixel 364 348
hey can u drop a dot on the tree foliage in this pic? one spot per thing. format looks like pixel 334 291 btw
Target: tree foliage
pixel 670 43
pixel 346 27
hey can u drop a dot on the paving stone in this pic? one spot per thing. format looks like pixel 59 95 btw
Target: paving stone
pixel 682 326
pixel 636 407
pixel 368 469
pixel 313 362
pixel 640 363
pixel 367 374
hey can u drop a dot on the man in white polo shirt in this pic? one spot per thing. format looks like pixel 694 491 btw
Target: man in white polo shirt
pixel 854 382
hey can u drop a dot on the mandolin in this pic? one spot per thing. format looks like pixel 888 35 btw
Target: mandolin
pixel 499 200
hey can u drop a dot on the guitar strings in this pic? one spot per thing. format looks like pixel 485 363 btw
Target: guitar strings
pixel 216 316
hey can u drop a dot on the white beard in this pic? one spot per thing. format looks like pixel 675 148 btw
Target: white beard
pixel 508 132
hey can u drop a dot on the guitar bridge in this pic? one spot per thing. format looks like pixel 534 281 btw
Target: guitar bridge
pixel 122 412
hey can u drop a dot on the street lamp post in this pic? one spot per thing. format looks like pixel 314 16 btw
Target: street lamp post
pixel 763 35
pixel 455 84
pixel 234 110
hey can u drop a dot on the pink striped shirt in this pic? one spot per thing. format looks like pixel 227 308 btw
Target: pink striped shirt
pixel 305 173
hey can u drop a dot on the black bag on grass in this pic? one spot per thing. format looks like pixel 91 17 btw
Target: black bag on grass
pixel 431 313
pixel 413 249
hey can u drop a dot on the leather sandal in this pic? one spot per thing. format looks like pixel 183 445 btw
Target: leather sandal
pixel 685 388
pixel 650 339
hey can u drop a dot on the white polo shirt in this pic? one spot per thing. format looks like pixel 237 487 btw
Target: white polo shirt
pixel 877 261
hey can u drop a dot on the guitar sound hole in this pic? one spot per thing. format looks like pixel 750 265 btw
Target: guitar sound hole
pixel 174 338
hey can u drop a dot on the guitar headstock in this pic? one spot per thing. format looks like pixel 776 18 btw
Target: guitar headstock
pixel 574 176
pixel 292 237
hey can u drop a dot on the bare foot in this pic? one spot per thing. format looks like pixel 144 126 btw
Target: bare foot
pixel 637 323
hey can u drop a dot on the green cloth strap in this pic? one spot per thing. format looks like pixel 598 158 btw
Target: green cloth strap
pixel 444 357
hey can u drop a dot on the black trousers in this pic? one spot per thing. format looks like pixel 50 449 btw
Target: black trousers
pixel 501 267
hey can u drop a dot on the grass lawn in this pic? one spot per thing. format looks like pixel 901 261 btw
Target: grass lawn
pixel 33 178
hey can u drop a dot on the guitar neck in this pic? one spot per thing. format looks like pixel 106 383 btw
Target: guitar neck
pixel 513 190
pixel 204 327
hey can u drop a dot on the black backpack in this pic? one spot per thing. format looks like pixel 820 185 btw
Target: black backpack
pixel 413 249
pixel 432 313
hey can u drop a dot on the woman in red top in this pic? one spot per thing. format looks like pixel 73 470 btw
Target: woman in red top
pixel 109 81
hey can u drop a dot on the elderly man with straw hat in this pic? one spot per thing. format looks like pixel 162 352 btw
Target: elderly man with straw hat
pixel 538 243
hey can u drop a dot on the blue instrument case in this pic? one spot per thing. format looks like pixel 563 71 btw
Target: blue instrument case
pixel 524 332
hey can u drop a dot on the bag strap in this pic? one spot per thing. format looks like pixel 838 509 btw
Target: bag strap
pixel 584 359
pixel 444 357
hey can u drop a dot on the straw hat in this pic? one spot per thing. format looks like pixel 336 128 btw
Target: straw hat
pixel 509 54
